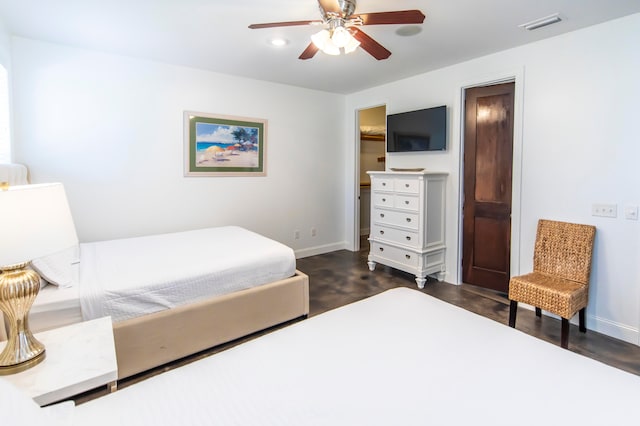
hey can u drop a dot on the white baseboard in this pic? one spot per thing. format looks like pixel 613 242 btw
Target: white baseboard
pixel 600 325
pixel 614 329
pixel 327 248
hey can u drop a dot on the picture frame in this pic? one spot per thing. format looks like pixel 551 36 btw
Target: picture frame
pixel 224 145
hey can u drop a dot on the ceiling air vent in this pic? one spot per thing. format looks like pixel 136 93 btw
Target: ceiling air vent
pixel 541 22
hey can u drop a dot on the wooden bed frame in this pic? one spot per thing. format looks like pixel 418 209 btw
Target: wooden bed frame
pixel 152 340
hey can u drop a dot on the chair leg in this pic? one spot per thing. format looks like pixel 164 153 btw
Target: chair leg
pixel 564 337
pixel 513 311
pixel 538 312
pixel 582 321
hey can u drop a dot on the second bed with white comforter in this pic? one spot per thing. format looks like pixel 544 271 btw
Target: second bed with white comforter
pixel 127 278
pixel 137 276
pixel 399 358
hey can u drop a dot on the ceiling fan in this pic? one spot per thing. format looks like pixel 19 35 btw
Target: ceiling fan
pixel 342 31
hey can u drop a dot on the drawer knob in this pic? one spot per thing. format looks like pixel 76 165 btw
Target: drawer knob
pixel 381 248
pixel 407 256
pixel 406 202
pixel 384 200
pixel 408 219
pixel 384 184
pixel 406 185
pixel 381 214
pixel 408 238
pixel 381 232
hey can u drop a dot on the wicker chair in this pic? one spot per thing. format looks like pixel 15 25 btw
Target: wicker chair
pixel 559 282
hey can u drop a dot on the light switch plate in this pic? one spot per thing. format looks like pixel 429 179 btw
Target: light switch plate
pixel 631 212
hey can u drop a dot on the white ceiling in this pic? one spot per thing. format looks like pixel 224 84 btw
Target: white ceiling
pixel 213 34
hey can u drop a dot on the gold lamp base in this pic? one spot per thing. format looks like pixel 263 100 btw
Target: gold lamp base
pixel 18 289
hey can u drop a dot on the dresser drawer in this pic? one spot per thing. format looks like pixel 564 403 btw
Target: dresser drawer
pixel 383 200
pixel 382 184
pixel 396 236
pixel 397 218
pixel 406 202
pixel 410 186
pixel 399 201
pixel 395 254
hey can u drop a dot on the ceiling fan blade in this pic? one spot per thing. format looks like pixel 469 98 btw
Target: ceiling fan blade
pixel 329 5
pixel 283 24
pixel 397 17
pixel 372 47
pixel 309 52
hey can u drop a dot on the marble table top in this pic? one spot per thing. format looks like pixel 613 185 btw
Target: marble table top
pixel 79 357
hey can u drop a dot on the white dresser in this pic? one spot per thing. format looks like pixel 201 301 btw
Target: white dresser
pixel 407 222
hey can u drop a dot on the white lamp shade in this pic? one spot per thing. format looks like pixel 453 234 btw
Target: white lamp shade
pixel 331 43
pixel 340 37
pixel 320 38
pixel 330 48
pixel 35 221
pixel 352 45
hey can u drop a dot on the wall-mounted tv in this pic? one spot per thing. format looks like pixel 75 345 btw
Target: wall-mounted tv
pixel 421 130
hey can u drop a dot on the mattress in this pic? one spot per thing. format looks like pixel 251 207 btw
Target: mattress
pixel 131 277
pixel 401 357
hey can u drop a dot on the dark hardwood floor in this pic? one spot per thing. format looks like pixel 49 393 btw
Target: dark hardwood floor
pixel 342 277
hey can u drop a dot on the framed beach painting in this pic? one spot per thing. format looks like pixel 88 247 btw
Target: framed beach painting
pixel 222 145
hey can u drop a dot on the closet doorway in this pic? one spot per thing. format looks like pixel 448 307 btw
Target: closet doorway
pixel 372 157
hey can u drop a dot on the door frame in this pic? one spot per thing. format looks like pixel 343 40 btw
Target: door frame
pixel 517 77
pixel 358 143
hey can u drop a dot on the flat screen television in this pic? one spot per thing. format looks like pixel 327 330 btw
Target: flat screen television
pixel 421 130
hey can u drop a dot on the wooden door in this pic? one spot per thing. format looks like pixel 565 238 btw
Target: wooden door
pixel 488 158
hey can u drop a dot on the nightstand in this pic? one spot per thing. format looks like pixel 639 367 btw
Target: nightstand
pixel 79 357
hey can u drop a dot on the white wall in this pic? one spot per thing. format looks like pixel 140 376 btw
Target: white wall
pixel 111 129
pixel 5 94
pixel 576 144
pixel 5 45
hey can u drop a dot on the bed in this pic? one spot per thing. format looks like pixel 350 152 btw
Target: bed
pixel 400 357
pixel 172 295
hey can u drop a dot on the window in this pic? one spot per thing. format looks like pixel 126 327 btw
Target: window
pixel 5 142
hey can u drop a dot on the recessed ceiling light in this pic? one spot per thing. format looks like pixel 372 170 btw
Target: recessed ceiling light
pixel 541 22
pixel 408 30
pixel 278 42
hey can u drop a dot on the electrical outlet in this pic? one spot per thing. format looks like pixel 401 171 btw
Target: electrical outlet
pixel 296 234
pixel 313 232
pixel 604 210
pixel 631 212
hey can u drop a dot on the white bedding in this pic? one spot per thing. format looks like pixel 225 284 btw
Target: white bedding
pixel 399 358
pixel 135 276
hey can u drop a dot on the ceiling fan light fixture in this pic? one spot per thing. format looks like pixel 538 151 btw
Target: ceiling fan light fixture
pixel 341 37
pixel 352 45
pixel 332 41
pixel 330 48
pixel 341 33
pixel 320 38
pixel 325 42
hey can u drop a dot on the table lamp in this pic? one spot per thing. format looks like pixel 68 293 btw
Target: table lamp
pixel 35 221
